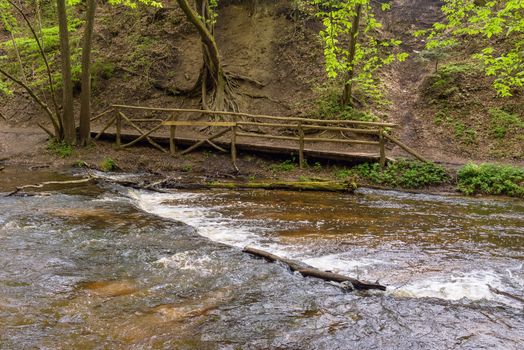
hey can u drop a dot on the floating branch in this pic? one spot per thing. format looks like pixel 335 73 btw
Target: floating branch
pixel 309 271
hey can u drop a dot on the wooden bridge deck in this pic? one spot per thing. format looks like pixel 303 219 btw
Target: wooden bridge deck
pixel 149 125
pixel 254 147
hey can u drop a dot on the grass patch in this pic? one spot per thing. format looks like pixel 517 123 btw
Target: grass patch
pixel 329 107
pixel 444 83
pixel 186 168
pixel 491 179
pixel 287 165
pixel 403 173
pixel 464 133
pixel 108 164
pixel 502 122
pixel 60 148
pixel 343 174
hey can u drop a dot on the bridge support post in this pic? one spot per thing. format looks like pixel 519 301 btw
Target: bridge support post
pixel 300 145
pixel 382 148
pixel 172 131
pixel 118 129
pixel 234 145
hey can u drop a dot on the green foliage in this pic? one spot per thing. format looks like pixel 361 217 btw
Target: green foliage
pixel 29 52
pixel 464 133
pixel 330 107
pixel 436 54
pixel 186 168
pixel 442 117
pixel 372 51
pixel 502 122
pixel 403 173
pixel 108 164
pixel 491 23
pixel 80 164
pixel 491 179
pixel 129 3
pixel 287 165
pixel 446 81
pixel 343 174
pixel 60 148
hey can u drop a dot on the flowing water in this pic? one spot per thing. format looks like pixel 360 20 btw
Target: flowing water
pixel 87 267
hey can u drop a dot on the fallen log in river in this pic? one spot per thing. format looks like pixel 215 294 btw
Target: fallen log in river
pixel 309 271
pixel 329 186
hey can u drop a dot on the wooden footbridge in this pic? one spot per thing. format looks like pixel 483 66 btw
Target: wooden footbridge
pixel 159 126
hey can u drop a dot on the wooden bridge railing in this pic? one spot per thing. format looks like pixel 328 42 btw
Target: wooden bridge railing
pixel 235 123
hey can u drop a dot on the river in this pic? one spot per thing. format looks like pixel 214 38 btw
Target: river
pixel 90 267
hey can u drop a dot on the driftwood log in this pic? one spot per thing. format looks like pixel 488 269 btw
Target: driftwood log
pixel 309 271
pixel 328 186
pixel 40 185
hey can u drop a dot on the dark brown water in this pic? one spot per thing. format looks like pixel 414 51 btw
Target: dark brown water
pixel 88 268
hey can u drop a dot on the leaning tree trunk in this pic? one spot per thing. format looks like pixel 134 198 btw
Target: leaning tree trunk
pixel 68 119
pixel 85 96
pixel 347 97
pixel 212 76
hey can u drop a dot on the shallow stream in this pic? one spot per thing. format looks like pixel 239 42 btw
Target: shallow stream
pixel 87 267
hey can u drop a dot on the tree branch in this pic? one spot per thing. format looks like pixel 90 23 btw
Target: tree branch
pixel 33 96
pixel 42 53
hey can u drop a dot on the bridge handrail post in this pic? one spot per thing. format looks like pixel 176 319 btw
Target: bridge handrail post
pixel 300 145
pixel 234 145
pixel 382 148
pixel 172 131
pixel 118 127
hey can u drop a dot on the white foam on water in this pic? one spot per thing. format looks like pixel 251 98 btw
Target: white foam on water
pixel 206 220
pixel 343 263
pixel 187 261
pixel 472 285
pixel 210 223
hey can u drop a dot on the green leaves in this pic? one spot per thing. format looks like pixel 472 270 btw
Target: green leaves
pixel 498 22
pixel 133 3
pixel 403 173
pixel 371 52
pixel 491 179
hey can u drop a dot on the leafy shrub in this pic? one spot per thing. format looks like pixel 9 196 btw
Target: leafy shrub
pixel 403 173
pixel 287 165
pixel 108 164
pixel 444 82
pixel 343 174
pixel 329 107
pixel 491 179
pixel 186 168
pixel 466 134
pixel 502 122
pixel 61 149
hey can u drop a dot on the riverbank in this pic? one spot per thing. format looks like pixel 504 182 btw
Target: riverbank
pixel 31 148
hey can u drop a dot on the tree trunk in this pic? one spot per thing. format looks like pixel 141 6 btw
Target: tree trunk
pixel 347 97
pixel 68 118
pixel 85 96
pixel 212 76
